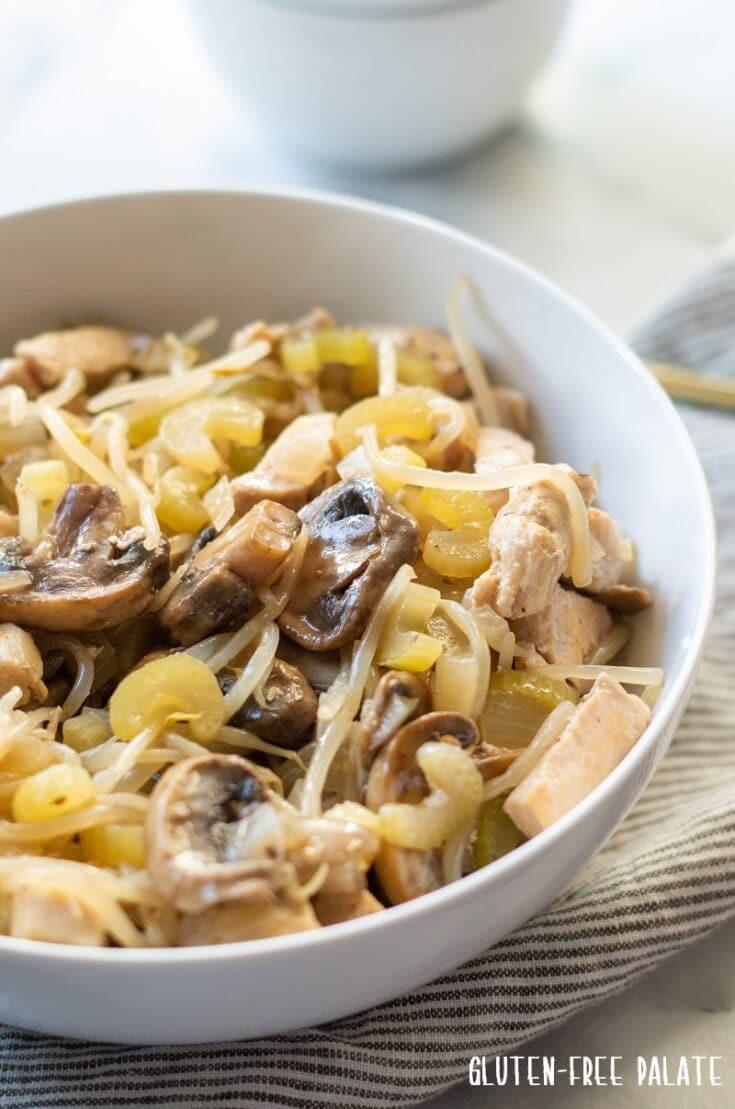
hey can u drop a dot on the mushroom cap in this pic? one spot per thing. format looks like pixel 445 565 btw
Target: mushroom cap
pixel 212 837
pixel 357 542
pixel 88 572
pixel 395 776
pixel 398 698
pixel 218 589
pixel 287 712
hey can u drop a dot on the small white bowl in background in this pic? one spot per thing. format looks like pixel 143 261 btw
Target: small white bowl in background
pixel 162 261
pixel 379 84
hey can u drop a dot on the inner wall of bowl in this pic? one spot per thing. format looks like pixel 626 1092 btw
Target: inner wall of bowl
pixel 165 261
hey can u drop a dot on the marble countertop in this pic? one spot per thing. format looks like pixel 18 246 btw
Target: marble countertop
pixel 618 183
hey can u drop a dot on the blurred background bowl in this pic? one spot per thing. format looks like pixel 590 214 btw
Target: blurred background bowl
pixel 379 85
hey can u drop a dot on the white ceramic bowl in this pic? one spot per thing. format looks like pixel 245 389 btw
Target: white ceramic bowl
pixel 165 260
pixel 379 84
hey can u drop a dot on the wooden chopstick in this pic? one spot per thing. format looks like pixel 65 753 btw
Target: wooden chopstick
pixel 681 384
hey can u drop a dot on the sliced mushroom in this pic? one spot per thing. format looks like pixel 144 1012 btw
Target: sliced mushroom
pixel 212 835
pixel 395 776
pixel 357 542
pixel 87 571
pixel 398 698
pixel 96 351
pixel 217 837
pixel 297 466
pixel 218 589
pixel 626 598
pixel 286 713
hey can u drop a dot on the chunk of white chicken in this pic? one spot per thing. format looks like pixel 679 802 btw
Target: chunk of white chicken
pixel 21 664
pixel 530 542
pixel 54 915
pixel 97 352
pixel 608 551
pixel 568 630
pixel 295 468
pixel 498 448
pixel 601 731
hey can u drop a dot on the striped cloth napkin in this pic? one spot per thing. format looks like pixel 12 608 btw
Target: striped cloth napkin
pixel 664 880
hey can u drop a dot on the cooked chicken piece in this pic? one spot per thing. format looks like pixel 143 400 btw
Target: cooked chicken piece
pixel 499 448
pixel 358 540
pixel 53 915
pixel 295 468
pixel 607 551
pixel 87 571
pixel 603 728
pixel 287 712
pixel 627 599
pixel 218 589
pixel 568 630
pixel 530 543
pixel 97 352
pixel 349 850
pixel 20 664
pixel 16 371
pixel 236 921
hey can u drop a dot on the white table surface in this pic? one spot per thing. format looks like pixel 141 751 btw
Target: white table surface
pixel 618 183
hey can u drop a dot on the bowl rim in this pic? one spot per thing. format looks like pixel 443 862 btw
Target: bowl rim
pixel 672 696
pixel 374 10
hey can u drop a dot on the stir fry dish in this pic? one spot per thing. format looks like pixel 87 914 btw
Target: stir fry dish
pixel 288 635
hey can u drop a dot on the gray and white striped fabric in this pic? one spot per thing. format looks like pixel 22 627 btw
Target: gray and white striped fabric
pixel 665 879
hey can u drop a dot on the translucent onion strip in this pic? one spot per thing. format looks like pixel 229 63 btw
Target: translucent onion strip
pixel 244 740
pixel 329 743
pixel 452 421
pixel 453 853
pixel 74 450
pixel 72 384
pixel 117 449
pixel 473 665
pixel 580 566
pixel 195 381
pixel 471 362
pixel 106 780
pixel 258 667
pixel 626 675
pixel 545 737
pixel 84 677
pixel 119 808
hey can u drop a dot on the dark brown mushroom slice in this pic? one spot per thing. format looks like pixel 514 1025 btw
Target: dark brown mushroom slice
pixel 287 712
pixel 218 590
pixel 627 599
pixel 87 572
pixel 195 848
pixel 357 542
pixel 395 776
pixel 398 698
